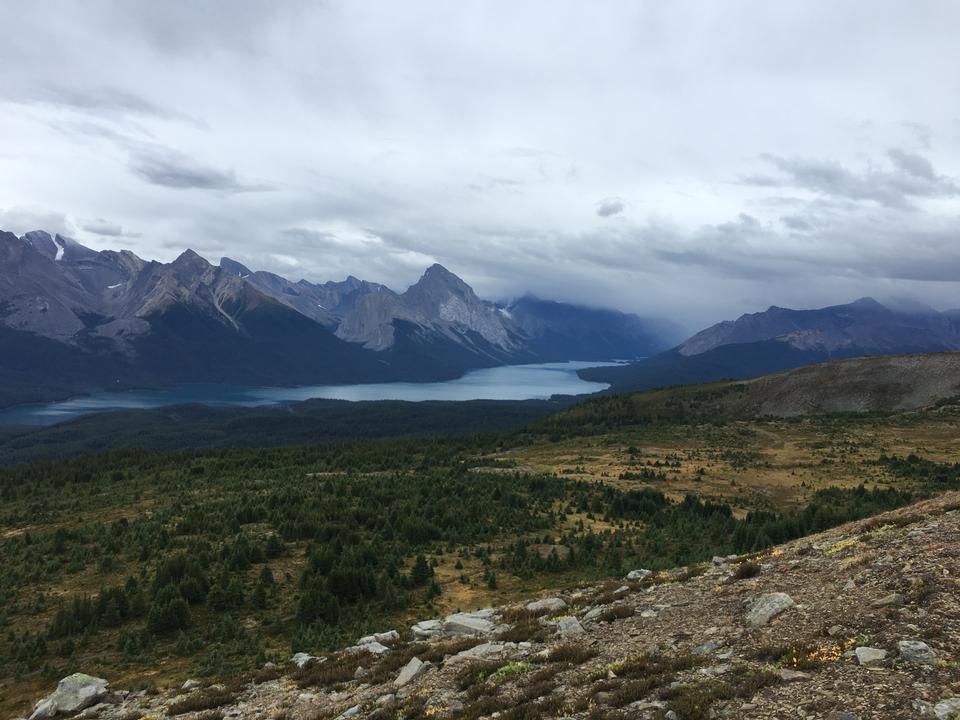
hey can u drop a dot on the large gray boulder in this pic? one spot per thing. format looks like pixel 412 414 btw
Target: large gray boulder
pixel 467 624
pixel 551 604
pixel 74 693
pixel 916 651
pixel 766 607
pixel 411 671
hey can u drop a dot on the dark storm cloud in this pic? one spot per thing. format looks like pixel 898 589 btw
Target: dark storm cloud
pixel 610 206
pixel 173 169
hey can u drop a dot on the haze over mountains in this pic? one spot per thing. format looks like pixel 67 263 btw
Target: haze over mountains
pixel 73 320
pixel 780 339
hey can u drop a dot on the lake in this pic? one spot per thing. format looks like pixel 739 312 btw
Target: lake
pixel 510 382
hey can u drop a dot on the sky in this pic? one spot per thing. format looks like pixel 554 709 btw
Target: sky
pixel 684 160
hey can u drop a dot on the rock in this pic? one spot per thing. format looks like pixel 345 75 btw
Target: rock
pixel 916 651
pixel 569 627
pixel 834 630
pixel 73 694
pixel 868 656
pixel 768 606
pixel 302 659
pixel 484 651
pixel 386 700
pixel 841 715
pixel 708 647
pixel 190 685
pixel 640 574
pixel 551 604
pixel 467 624
pixel 372 647
pixel 427 629
pixel 891 600
pixel 622 590
pixel 593 614
pixel 788 675
pixel 411 671
pixel 384 637
pixel 945 709
pixel 349 713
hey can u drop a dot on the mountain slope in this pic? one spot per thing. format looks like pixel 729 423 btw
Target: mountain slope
pixel 780 339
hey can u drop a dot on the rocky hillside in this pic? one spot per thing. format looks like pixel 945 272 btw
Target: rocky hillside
pixel 859 622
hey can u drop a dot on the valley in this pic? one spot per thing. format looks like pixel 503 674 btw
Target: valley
pixel 275 551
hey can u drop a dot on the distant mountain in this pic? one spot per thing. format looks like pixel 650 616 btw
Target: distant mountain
pixel 73 320
pixel 780 339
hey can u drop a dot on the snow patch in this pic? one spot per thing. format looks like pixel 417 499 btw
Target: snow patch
pixel 114 287
pixel 60 248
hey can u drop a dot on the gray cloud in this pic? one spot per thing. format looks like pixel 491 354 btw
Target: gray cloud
pixel 610 206
pixel 390 142
pixel 912 176
pixel 173 169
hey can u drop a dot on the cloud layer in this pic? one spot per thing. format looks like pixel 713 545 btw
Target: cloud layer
pixel 678 159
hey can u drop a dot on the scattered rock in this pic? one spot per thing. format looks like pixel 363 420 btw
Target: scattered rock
pixel 427 629
pixel 891 600
pixel 916 651
pixel 640 574
pixel 945 709
pixel 868 656
pixel 551 604
pixel 349 713
pixel 467 624
pixel 841 715
pixel 73 694
pixel 569 627
pixel 411 671
pixel 190 685
pixel 788 675
pixel 302 659
pixel 766 607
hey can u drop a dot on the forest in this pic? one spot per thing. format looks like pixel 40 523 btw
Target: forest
pixel 214 561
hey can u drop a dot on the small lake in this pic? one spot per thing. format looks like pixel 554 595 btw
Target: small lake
pixel 510 382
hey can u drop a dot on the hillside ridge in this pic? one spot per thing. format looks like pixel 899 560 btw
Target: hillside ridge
pixel 857 622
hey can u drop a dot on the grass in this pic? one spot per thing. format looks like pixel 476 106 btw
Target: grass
pixel 201 700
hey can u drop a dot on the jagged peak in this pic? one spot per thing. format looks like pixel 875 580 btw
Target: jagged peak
pixel 190 257
pixel 234 267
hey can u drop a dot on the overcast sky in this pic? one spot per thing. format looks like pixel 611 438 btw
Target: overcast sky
pixel 692 160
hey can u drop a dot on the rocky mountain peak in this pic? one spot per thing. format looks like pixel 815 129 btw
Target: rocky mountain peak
pixel 234 268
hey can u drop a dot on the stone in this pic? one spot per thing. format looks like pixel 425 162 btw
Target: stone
pixel 593 614
pixel 372 647
pixel 349 713
pixel 640 574
pixel 427 629
pixel 384 637
pixel 302 659
pixel 945 709
pixel 74 693
pixel 551 604
pixel 834 630
pixel 708 647
pixel 891 600
pixel 190 685
pixel 916 651
pixel 788 675
pixel 467 624
pixel 386 700
pixel 484 651
pixel 868 656
pixel 766 607
pixel 841 715
pixel 569 627
pixel 411 671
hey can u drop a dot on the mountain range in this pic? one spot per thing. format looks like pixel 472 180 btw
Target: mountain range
pixel 74 320
pixel 780 339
